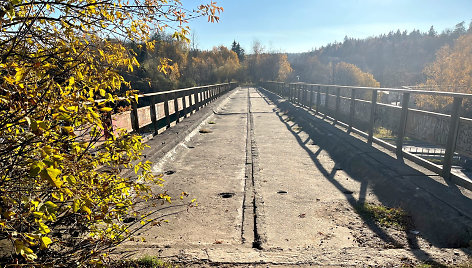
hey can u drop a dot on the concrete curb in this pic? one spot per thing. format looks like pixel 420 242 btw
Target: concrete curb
pixel 163 143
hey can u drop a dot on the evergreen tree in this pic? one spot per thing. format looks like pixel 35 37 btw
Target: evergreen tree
pixel 432 32
pixel 236 47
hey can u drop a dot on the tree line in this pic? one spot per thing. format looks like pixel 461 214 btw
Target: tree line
pixel 395 59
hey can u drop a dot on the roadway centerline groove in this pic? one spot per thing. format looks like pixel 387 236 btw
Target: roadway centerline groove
pixel 250 210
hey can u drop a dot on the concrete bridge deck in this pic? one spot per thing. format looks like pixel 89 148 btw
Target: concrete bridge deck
pixel 277 185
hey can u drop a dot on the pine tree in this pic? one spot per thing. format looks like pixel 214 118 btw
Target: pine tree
pixel 432 32
pixel 236 47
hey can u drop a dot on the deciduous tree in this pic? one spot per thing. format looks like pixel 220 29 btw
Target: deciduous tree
pixel 57 59
pixel 451 71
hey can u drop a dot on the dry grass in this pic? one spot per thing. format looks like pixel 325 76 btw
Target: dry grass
pixel 205 130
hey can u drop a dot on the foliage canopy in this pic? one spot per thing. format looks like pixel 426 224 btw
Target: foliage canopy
pixel 60 64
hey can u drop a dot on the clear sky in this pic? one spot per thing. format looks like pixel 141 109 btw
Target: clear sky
pixel 303 25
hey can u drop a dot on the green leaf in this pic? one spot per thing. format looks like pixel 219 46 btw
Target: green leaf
pixel 36 168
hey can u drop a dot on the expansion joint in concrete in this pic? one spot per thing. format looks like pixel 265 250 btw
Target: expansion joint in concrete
pixel 249 216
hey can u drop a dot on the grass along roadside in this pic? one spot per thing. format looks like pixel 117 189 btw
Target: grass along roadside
pixel 144 262
pixel 395 218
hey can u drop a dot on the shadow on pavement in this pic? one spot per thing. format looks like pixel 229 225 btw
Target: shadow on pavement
pixel 431 204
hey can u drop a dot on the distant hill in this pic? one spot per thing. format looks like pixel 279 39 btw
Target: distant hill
pixel 395 59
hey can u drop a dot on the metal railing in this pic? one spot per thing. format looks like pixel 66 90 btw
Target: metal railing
pixel 310 95
pixel 183 101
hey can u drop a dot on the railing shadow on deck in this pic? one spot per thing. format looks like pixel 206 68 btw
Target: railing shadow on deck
pixel 443 226
pixel 361 116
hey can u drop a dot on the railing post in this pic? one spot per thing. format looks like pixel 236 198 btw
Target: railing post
pixel 153 112
pixel 326 103
pixel 352 109
pixel 299 94
pixel 402 126
pixel 373 105
pixel 184 104
pixel 107 122
pixel 302 95
pixel 451 137
pixel 338 104
pixel 134 116
pixel 165 99
pixel 312 95
pixel 318 100
pixel 202 97
pixel 195 100
pixel 294 93
pixel 289 92
pixel 306 102
pixel 176 107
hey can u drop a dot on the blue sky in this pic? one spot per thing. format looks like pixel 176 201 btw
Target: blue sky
pixel 303 25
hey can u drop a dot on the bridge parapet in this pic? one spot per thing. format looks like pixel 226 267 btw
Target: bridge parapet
pixel 156 111
pixel 449 131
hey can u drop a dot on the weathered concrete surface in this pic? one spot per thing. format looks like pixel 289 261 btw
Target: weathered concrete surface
pixel 297 182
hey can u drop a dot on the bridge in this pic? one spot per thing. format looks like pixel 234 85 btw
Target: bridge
pixel 293 174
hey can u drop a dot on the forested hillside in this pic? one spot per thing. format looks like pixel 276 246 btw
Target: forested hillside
pixel 391 60
pixel 395 59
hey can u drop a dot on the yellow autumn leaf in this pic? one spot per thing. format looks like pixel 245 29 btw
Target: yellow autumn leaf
pixel 45 242
pixel 76 205
pixel 87 210
pixel 106 109
pixel 43 228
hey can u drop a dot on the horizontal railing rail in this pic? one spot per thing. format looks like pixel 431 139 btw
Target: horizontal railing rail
pixel 318 96
pixel 162 108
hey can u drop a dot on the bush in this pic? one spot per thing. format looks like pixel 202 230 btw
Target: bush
pixel 62 199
